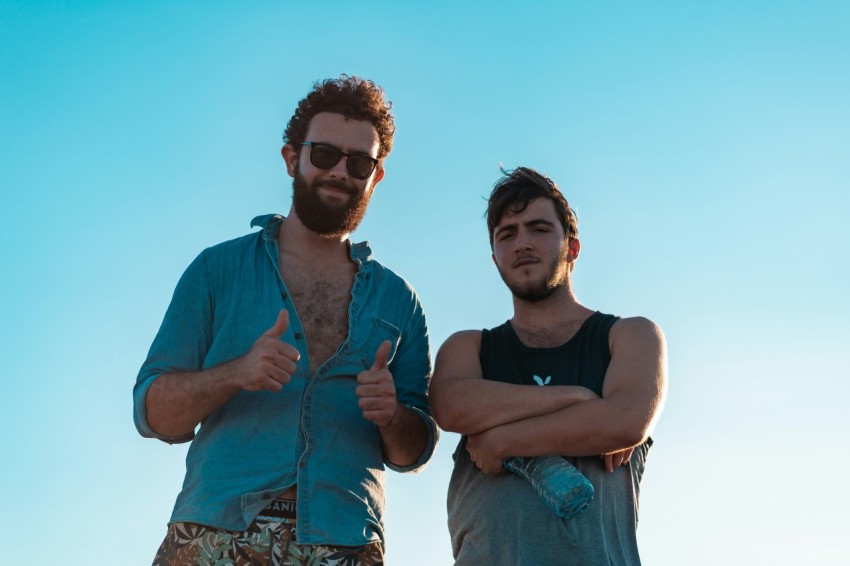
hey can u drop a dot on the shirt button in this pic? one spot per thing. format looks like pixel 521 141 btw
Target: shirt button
pixel 298 336
pixel 301 465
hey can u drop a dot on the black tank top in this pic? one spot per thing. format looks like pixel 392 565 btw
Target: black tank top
pixel 581 360
pixel 486 512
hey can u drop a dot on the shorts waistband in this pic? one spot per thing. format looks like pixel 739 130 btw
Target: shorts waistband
pixel 279 509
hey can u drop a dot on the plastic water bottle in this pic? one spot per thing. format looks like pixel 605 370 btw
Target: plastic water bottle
pixel 562 487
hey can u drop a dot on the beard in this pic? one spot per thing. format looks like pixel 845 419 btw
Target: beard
pixel 542 288
pixel 333 220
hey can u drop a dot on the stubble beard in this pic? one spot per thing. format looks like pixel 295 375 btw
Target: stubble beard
pixel 555 278
pixel 330 220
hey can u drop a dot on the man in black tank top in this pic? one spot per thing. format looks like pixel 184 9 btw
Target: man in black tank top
pixel 556 379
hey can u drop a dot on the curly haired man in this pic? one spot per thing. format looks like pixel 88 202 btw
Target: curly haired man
pixel 296 364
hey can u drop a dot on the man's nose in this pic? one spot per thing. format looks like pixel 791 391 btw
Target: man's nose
pixel 523 244
pixel 340 170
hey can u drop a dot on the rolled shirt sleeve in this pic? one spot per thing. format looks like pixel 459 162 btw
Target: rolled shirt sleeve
pixel 411 369
pixel 181 344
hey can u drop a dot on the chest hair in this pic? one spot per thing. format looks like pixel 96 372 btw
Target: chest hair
pixel 321 295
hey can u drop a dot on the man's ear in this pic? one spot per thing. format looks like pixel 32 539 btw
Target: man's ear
pixel 290 157
pixel 379 174
pixel 573 249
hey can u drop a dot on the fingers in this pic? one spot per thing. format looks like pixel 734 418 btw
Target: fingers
pixel 271 362
pixel 280 325
pixel 374 395
pixel 282 367
pixel 376 390
pixel 617 459
pixel 290 352
pixel 274 375
pixel 382 355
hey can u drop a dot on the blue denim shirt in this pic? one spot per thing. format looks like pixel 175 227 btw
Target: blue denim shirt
pixel 312 432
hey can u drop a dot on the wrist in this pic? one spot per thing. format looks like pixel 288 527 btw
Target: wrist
pixel 227 377
pixel 498 443
pixel 397 416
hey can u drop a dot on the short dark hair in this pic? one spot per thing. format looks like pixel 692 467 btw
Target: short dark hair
pixel 353 97
pixel 517 188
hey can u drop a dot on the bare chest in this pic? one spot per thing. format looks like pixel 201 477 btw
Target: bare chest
pixel 321 298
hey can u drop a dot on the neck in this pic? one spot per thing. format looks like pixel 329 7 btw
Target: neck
pixel 294 238
pixel 554 312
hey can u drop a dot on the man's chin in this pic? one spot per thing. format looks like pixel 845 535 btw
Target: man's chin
pixel 530 292
pixel 532 295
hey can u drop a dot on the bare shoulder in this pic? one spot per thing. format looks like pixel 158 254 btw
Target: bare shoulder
pixel 638 369
pixel 458 356
pixel 463 340
pixel 636 331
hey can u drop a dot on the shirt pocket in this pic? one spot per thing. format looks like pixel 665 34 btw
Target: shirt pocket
pixel 379 331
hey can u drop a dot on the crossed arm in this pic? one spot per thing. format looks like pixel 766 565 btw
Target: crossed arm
pixel 503 419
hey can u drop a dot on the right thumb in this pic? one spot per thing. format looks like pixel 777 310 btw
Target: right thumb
pixel 280 325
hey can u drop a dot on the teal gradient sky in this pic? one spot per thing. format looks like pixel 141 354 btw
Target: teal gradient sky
pixel 705 146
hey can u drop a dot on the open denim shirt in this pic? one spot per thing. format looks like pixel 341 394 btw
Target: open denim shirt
pixel 312 432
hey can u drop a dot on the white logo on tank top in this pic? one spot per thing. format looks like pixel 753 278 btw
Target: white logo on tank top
pixel 540 381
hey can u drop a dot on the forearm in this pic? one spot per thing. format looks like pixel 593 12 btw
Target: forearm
pixel 470 406
pixel 633 396
pixel 177 402
pixel 405 438
pixel 586 429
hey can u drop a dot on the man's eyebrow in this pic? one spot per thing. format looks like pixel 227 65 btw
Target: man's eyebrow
pixel 528 223
pixel 503 227
pixel 539 222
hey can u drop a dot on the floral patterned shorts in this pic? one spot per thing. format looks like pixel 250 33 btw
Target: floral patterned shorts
pixel 269 540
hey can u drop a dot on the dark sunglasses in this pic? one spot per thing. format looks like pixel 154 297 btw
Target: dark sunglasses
pixel 326 156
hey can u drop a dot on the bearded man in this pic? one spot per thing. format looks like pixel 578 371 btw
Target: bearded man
pixel 296 364
pixel 558 379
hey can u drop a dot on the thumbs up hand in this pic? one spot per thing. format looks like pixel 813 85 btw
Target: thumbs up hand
pixel 270 362
pixel 376 389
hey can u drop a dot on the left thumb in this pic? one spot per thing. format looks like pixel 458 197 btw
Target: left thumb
pixel 382 355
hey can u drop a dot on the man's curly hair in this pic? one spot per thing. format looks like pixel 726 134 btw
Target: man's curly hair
pixel 354 98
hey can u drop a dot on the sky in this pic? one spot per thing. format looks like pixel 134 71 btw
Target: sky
pixel 705 147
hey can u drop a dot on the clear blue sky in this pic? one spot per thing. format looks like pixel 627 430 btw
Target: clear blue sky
pixel 704 145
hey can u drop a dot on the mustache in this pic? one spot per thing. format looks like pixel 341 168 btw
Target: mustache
pixel 525 257
pixel 338 185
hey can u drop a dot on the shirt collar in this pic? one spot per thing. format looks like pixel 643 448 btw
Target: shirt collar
pixel 359 251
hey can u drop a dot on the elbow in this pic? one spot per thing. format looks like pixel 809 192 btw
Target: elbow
pixel 441 408
pixel 634 434
pixel 171 435
pixel 628 426
pixel 153 422
pixel 635 438
pixel 160 430
pixel 447 419
pixel 454 413
pixel 625 430
pixel 455 419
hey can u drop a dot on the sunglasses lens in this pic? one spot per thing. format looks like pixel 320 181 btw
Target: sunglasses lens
pixel 360 167
pixel 324 156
